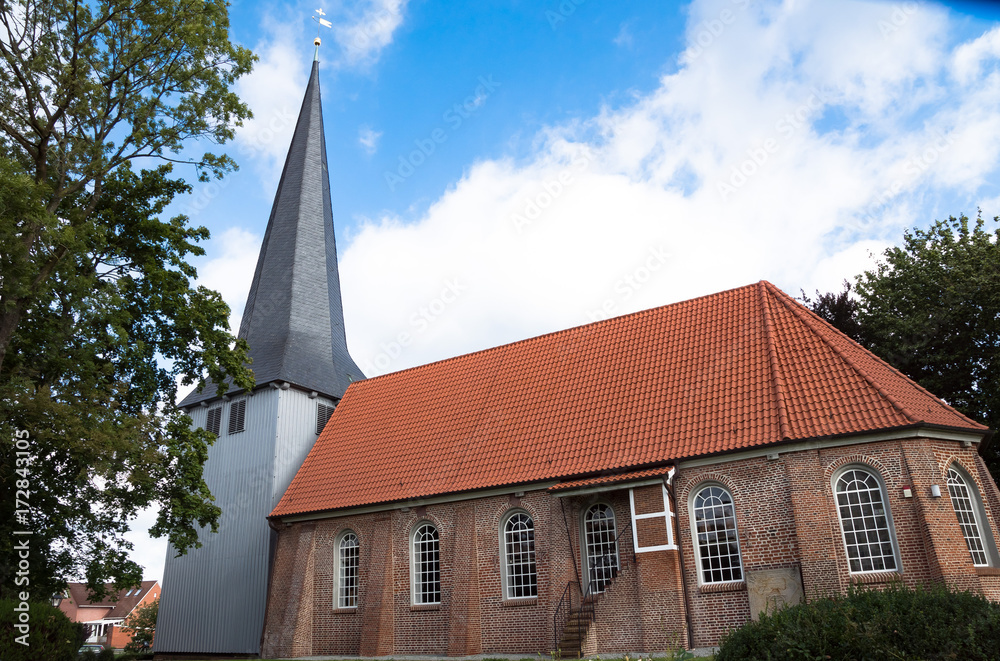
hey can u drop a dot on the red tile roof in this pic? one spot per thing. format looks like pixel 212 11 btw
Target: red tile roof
pixel 734 370
pixel 612 479
pixel 120 604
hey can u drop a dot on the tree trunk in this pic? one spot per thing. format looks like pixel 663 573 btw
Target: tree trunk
pixel 8 322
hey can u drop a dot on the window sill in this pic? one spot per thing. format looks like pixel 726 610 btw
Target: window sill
pixel 987 571
pixel 352 609
pixel 876 577
pixel 732 586
pixel 526 601
pixel 425 607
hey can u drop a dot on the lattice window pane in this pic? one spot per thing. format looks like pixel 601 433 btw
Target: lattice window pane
pixel 214 421
pixel 718 543
pixel 237 416
pixel 347 585
pixel 602 546
pixel 519 547
pixel 965 510
pixel 864 522
pixel 426 565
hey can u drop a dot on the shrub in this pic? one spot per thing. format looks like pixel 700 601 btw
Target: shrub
pixel 52 636
pixel 892 623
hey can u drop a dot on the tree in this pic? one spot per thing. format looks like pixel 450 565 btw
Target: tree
pixel 931 308
pixel 141 625
pixel 99 319
pixel 839 309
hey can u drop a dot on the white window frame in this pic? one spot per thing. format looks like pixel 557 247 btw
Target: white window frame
pixel 418 595
pixel 980 520
pixel 695 535
pixel 505 557
pixel 616 566
pixel 890 527
pixel 668 517
pixel 339 602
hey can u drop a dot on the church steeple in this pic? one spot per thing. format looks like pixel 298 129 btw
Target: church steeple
pixel 294 323
pixel 294 318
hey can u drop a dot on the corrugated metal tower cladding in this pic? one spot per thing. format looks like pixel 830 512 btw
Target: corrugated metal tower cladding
pixel 214 597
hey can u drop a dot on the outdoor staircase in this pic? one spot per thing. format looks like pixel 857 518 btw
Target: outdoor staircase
pixel 577 608
pixel 577 623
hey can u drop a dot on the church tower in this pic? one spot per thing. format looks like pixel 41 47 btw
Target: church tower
pixel 214 597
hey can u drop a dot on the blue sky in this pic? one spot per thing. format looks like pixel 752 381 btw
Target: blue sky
pixel 505 169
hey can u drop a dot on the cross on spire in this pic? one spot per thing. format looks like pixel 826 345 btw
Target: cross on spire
pixel 321 22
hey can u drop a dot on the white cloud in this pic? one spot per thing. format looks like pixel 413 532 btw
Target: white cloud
pixel 230 270
pixel 624 37
pixel 368 138
pixel 273 90
pixel 793 141
pixel 364 30
pixel 150 553
pixel 969 59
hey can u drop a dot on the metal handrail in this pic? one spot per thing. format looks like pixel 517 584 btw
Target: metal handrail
pixel 565 607
pixel 587 611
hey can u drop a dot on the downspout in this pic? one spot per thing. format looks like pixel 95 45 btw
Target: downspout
pixel 270 579
pixel 569 539
pixel 668 483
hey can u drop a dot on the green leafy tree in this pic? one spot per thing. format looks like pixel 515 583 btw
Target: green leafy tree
pixel 99 318
pixel 931 308
pixel 141 625
pixel 840 309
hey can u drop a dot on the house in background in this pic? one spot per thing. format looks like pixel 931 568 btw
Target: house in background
pixel 105 617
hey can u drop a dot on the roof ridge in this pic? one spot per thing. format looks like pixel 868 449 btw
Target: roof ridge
pixel 777 378
pixel 810 320
pixel 938 400
pixel 374 379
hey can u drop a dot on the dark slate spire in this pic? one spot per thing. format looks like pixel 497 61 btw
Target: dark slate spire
pixel 294 319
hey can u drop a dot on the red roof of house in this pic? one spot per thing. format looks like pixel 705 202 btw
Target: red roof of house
pixel 735 370
pixel 120 603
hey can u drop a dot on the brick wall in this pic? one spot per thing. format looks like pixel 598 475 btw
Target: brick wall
pixel 786 517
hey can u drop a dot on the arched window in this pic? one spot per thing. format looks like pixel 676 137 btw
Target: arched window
pixel 426 565
pixel 714 521
pixel 600 539
pixel 968 511
pixel 865 521
pixel 347 570
pixel 518 550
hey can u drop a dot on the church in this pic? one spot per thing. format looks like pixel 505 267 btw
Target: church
pixel 637 484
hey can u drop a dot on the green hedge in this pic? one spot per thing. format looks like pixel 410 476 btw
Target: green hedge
pixel 52 636
pixel 876 624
